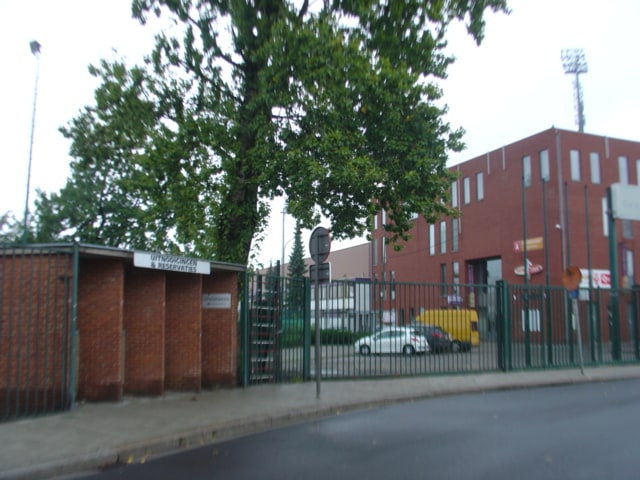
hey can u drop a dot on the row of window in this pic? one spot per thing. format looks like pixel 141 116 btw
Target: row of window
pixel 576 167
pixel 466 190
pixel 545 174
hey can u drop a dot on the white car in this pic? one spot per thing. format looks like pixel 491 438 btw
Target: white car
pixel 393 340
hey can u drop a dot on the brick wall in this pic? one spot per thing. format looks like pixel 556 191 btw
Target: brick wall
pixel 220 333
pixel 100 314
pixel 144 326
pixel 183 328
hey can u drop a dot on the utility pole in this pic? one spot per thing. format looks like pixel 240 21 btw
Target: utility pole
pixel 35 50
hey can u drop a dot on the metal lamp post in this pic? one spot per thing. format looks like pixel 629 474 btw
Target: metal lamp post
pixel 35 50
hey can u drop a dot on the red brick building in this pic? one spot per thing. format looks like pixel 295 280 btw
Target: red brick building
pixel 550 189
pixel 92 323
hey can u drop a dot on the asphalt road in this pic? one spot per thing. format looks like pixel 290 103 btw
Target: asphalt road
pixel 586 431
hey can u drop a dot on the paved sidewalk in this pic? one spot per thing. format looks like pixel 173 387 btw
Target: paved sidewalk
pixel 100 434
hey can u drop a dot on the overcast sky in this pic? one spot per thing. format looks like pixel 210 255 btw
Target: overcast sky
pixel 510 87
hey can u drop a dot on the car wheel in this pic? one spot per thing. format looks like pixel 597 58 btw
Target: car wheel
pixel 408 350
pixel 456 347
pixel 365 350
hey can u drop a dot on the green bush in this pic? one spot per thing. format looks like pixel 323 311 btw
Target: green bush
pixel 294 337
pixel 336 337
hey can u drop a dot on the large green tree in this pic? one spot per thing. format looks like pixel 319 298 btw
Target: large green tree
pixel 334 104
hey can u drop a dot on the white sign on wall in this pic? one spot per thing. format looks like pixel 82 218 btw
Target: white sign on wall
pixel 173 263
pixel 216 300
pixel 625 200
pixel 599 278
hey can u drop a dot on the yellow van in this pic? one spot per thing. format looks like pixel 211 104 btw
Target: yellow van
pixel 462 325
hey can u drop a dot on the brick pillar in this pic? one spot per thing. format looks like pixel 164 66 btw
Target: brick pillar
pixel 100 313
pixel 183 358
pixel 220 333
pixel 144 326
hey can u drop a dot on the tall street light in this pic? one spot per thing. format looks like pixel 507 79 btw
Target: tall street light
pixel 35 50
pixel 575 63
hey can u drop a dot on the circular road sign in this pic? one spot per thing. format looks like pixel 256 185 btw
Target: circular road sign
pixel 571 278
pixel 320 244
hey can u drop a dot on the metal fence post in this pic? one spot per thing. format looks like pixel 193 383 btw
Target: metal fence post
pixel 244 330
pixel 306 330
pixel 504 326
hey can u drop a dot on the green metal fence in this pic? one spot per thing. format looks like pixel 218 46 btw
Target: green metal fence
pixel 38 285
pixel 519 327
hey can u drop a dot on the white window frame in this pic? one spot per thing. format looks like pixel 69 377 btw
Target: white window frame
pixel 454 235
pixel 594 164
pixel 466 186
pixel 574 158
pixel 432 239
pixel 623 170
pixel 545 172
pixel 443 237
pixel 480 186
pixel 526 170
pixel 454 194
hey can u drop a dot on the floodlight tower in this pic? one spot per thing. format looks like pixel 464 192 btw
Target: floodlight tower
pixel 575 62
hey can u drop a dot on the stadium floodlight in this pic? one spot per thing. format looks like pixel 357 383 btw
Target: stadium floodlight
pixel 574 62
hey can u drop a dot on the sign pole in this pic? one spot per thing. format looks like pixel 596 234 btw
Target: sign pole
pixel 317 332
pixel 319 248
pixel 576 316
pixel 571 278
pixel 614 306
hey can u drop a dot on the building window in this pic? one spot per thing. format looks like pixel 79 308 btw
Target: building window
pixel 384 217
pixel 375 222
pixel 443 279
pixel 443 237
pixel 466 185
pixel 393 285
pixel 479 186
pixel 594 163
pixel 432 239
pixel 627 230
pixel 574 156
pixel 375 251
pixel 384 250
pixel 544 165
pixel 454 194
pixel 454 235
pixel 638 171
pixel 526 171
pixel 623 170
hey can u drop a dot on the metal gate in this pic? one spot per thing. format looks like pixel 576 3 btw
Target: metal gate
pixel 519 327
pixel 38 286
pixel 539 329
pixel 274 329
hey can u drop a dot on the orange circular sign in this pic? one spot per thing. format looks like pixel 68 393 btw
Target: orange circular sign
pixel 571 278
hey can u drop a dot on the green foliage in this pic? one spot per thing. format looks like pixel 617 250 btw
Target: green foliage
pixel 337 337
pixel 294 337
pixel 297 269
pixel 333 104
pixel 11 229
